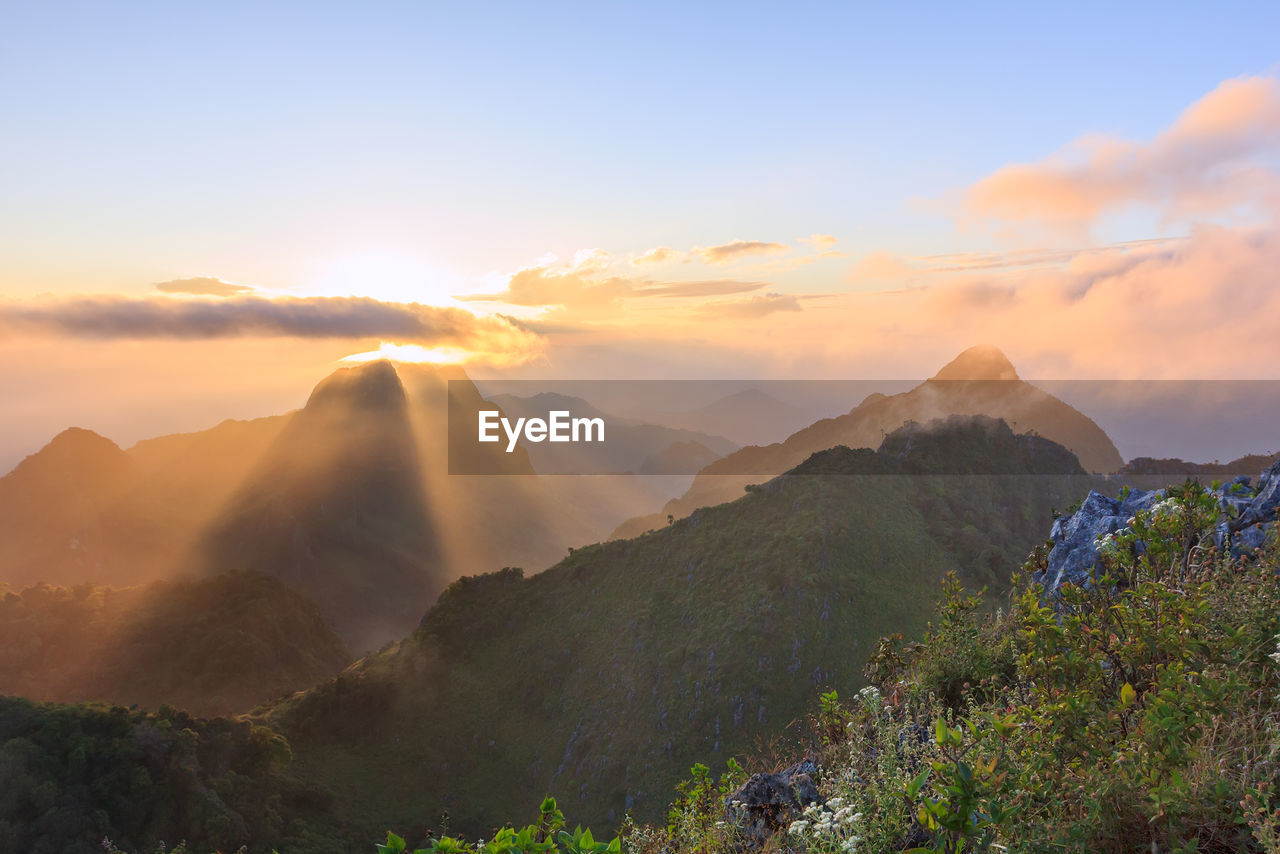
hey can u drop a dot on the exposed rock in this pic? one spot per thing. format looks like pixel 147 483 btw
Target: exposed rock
pixel 1261 508
pixel 1246 514
pixel 768 803
pixel 1074 537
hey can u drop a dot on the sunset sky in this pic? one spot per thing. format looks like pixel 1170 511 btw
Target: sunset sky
pixel 206 207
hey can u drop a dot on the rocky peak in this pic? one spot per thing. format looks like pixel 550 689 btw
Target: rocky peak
pixel 371 386
pixel 982 362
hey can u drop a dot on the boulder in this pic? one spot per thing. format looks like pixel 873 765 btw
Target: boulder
pixel 768 803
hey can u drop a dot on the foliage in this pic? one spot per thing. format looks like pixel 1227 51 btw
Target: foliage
pixel 74 775
pixel 1140 714
pixel 544 837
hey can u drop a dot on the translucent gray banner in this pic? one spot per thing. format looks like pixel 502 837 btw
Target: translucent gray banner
pixel 759 429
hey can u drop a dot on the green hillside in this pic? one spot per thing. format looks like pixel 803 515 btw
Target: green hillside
pixel 607 676
pixel 77 775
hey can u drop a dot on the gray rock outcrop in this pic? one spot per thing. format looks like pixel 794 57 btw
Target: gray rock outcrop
pixel 1247 513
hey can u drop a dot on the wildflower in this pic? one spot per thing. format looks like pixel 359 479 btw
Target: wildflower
pixel 798 826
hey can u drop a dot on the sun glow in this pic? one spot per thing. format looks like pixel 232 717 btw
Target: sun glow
pixel 390 275
pixel 414 353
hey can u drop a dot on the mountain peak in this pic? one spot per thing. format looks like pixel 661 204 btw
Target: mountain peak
pixel 373 385
pixel 81 437
pixel 75 456
pixel 982 362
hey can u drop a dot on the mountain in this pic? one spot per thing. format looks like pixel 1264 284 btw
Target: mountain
pixel 748 417
pixel 335 508
pixel 980 381
pixel 197 473
pixel 628 443
pixel 76 776
pixel 1169 466
pixel 212 646
pixel 605 677
pixel 350 500
pixel 55 509
pixel 81 510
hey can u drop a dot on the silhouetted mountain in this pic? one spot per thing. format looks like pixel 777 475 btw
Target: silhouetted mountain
pixel 82 510
pixel 214 646
pixel 335 508
pixel 980 381
pixel 980 362
pixel 608 675
pixel 60 515
pixel 349 500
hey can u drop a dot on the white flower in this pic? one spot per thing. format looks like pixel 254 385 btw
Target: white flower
pixel 835 803
pixel 798 826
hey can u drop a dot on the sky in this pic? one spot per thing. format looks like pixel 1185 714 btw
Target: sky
pixel 205 208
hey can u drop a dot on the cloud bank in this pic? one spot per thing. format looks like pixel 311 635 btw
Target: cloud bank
pixel 1218 157
pixel 240 316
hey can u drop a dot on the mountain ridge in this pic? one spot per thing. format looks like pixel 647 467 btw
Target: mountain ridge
pixel 954 390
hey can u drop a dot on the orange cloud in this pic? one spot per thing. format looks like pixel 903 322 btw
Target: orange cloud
pixel 202 286
pixel 657 255
pixel 736 250
pixel 541 286
pixel 819 241
pixel 1217 157
pixel 574 288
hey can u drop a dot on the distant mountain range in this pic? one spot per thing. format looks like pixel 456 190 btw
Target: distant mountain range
pixel 980 381
pixel 1246 465
pixel 348 500
pixel 288 544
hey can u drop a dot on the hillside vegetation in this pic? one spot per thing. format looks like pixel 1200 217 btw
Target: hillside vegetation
pixel 1142 714
pixel 607 676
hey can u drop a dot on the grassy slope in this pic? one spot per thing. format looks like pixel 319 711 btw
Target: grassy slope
pixel 603 679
